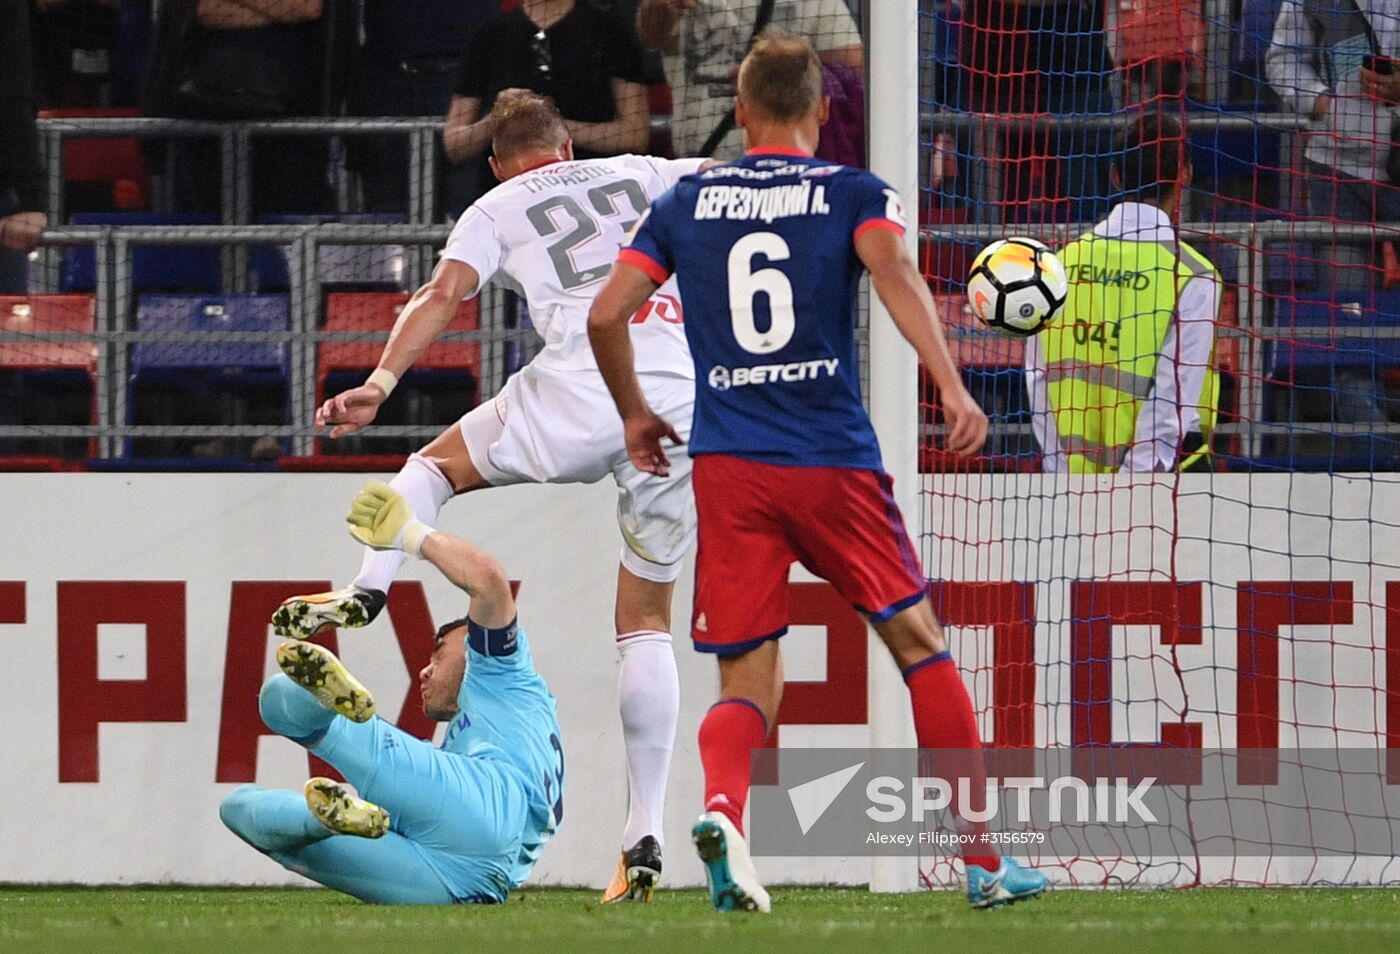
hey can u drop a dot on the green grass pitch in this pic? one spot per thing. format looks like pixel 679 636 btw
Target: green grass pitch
pixel 1213 921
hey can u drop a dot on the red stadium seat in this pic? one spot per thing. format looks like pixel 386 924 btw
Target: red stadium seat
pixel 377 311
pixel 116 163
pixel 342 463
pixel 53 382
pixel 946 262
pixel 49 314
pixel 448 374
pixel 975 347
pixel 37 463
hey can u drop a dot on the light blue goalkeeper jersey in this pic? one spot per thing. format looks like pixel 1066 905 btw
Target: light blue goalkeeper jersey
pixel 508 715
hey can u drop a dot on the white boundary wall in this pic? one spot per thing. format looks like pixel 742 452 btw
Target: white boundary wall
pixel 151 813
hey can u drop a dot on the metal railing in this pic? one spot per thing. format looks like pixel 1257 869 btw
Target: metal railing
pixel 117 331
pixel 114 299
pixel 116 328
pixel 421 135
pixel 1254 331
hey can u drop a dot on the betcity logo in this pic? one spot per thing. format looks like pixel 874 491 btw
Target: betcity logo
pixel 722 378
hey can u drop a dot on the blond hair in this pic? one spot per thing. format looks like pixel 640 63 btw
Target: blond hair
pixel 525 122
pixel 781 77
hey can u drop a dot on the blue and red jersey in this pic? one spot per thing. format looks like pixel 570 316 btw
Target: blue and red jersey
pixel 764 251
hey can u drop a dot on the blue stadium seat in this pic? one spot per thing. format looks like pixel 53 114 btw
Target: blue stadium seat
pixel 177 268
pixel 1363 312
pixel 208 382
pixel 1312 383
pixel 1289 267
pixel 1001 393
pixel 1235 166
pixel 346 267
pixel 195 313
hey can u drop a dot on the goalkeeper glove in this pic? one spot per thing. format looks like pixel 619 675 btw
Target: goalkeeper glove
pixel 381 519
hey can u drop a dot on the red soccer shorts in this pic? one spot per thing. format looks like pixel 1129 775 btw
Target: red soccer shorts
pixel 757 519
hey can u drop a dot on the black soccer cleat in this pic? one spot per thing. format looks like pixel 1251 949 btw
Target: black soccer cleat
pixel 302 617
pixel 638 872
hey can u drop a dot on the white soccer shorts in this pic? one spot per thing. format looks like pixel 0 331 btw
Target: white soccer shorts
pixel 561 427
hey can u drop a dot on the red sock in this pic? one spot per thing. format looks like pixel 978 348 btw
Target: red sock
pixel 943 719
pixel 728 732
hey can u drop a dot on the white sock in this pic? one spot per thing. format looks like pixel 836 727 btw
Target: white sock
pixel 649 699
pixel 426 489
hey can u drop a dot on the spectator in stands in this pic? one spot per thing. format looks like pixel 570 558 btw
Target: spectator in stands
pixel 704 42
pixel 22 193
pixel 251 59
pixel 1317 65
pixel 1160 49
pixel 410 64
pixel 583 58
pixel 1123 377
pixel 1042 57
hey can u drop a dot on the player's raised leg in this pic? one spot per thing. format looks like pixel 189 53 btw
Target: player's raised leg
pixel 318 671
pixel 427 481
pixel 342 812
pixel 401 780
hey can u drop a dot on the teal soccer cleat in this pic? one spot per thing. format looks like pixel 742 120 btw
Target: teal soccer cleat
pixel 1009 883
pixel 734 884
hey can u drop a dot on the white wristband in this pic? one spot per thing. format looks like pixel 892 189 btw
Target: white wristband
pixel 385 378
pixel 414 533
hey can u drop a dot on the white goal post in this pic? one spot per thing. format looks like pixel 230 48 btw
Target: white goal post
pixel 892 70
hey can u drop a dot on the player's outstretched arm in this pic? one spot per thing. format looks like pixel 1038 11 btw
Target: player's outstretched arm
pixel 627 289
pixel 472 569
pixel 427 313
pixel 898 282
pixel 382 519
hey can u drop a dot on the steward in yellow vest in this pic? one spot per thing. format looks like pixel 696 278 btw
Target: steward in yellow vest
pixel 1123 378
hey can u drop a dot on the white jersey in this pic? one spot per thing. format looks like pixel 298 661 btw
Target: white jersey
pixel 554 233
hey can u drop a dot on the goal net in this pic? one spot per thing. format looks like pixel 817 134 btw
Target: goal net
pixel 1246 611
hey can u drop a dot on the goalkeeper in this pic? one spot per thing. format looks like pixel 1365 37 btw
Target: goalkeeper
pixel 463 823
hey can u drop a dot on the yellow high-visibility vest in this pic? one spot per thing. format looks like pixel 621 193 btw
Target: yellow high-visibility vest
pixel 1101 350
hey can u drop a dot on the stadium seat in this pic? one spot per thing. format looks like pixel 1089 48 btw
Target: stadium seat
pixel 181 465
pixel 1365 311
pixel 347 267
pixel 1314 382
pixel 946 262
pixel 48 382
pixel 971 343
pixel 104 174
pixel 342 463
pixel 154 268
pixel 40 464
pixel 993 370
pixel 1239 169
pixel 443 384
pixel 209 382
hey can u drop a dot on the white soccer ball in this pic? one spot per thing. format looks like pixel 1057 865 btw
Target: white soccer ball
pixel 1016 286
